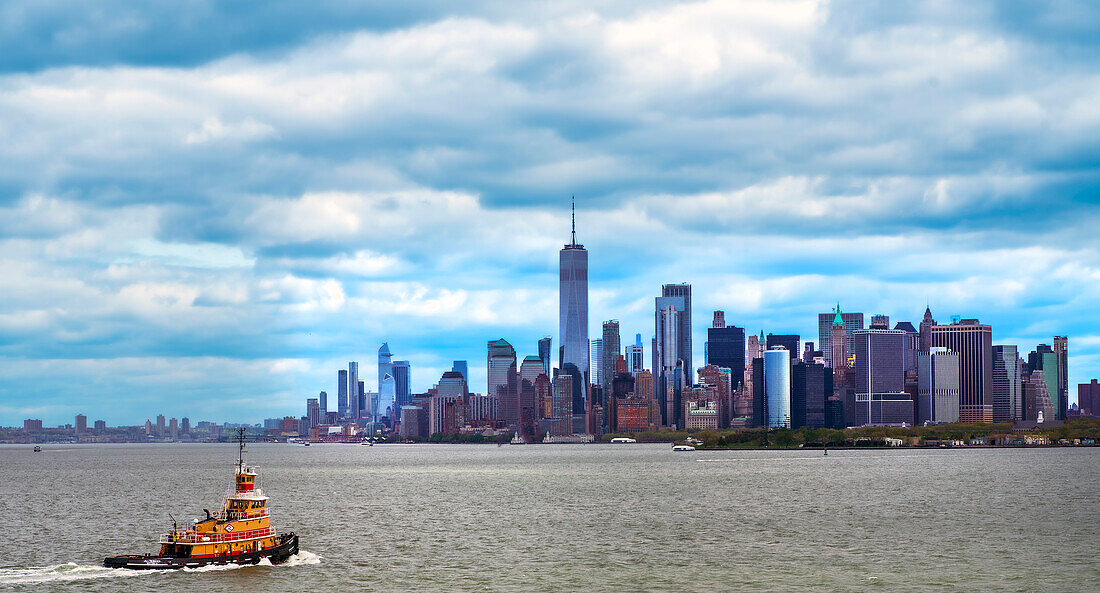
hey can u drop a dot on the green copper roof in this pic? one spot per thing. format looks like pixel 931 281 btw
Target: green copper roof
pixel 838 320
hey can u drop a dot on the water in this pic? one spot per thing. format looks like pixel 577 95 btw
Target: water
pixel 568 518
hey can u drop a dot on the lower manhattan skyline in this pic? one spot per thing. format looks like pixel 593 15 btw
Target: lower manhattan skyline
pixel 212 233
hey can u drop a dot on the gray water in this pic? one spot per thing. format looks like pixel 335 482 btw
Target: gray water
pixel 568 518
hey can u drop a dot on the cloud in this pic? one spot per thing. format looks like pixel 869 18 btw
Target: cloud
pixel 302 184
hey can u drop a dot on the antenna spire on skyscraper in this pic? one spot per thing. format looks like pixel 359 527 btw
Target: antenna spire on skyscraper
pixel 574 210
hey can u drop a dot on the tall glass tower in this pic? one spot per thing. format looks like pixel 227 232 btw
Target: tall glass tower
pixel 777 386
pixel 573 316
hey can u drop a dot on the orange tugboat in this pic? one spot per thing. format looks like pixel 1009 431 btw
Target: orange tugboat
pixel 240 533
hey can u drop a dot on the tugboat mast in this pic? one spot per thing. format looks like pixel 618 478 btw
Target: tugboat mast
pixel 240 440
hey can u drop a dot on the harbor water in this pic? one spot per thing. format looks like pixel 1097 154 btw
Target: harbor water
pixel 592 518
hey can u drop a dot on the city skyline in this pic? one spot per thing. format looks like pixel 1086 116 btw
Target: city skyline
pixel 211 230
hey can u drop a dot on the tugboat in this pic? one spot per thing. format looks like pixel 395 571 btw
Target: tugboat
pixel 239 534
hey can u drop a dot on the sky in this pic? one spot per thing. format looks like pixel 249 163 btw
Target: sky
pixel 207 209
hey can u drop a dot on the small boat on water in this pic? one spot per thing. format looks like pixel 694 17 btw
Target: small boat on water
pixel 623 440
pixel 37 449
pixel 518 440
pixel 240 533
pixel 683 448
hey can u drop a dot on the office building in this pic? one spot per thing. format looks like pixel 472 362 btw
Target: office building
pixel 460 366
pixel 789 342
pixel 912 344
pixel 754 348
pixel 81 424
pixel 595 359
pixel 811 386
pixel 937 387
pixel 1088 398
pixel 402 385
pixel 777 387
pixel 850 322
pixel 973 343
pixel 1038 405
pixel 573 317
pixel 323 398
pixel 683 349
pixel 342 394
pixel 1008 395
pixel 879 378
pixel 668 363
pixel 610 352
pixel 502 380
pixel 1061 354
pixel 635 356
pixel 726 348
pixel 355 398
pixel 544 354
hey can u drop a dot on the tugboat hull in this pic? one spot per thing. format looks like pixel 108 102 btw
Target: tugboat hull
pixel 287 547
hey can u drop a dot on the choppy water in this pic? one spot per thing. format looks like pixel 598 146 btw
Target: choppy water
pixel 568 518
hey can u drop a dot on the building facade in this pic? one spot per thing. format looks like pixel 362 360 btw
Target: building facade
pixel 974 344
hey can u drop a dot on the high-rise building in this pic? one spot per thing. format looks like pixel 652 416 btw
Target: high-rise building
pixel 635 356
pixel 596 361
pixel 811 385
pixel 668 362
pixel 937 386
pixel 1008 395
pixel 682 291
pixel 850 321
pixel 573 317
pixel 790 342
pixel 529 372
pixel 502 380
pixel 925 331
pixel 387 387
pixel 81 424
pixel 323 397
pixel 342 394
pixel 610 354
pixel 1038 404
pixel 973 342
pixel 912 344
pixel 777 386
pixel 544 355
pixel 185 425
pixel 313 412
pixel 726 348
pixel 1061 353
pixel 100 426
pixel 460 366
pixel 562 404
pixel 879 373
pixel 355 398
pixel 719 319
pixel 754 348
pixel 1088 398
pixel 402 386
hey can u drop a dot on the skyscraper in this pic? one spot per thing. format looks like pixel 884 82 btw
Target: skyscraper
pixel 668 363
pixel 811 385
pixel 573 316
pixel 596 361
pixel 323 397
pixel 387 389
pixel 726 348
pixel 342 394
pixel 503 382
pixel 851 322
pixel 789 341
pixel 880 396
pixel 937 386
pixel 682 291
pixel 1061 353
pixel 544 355
pixel 1008 395
pixel 754 349
pixel 402 385
pixel 777 387
pixel 460 366
pixel 610 354
pixel 354 397
pixel 973 342
pixel 635 356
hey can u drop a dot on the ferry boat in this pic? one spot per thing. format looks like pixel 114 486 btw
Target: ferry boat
pixel 623 440
pixel 240 533
pixel 683 448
